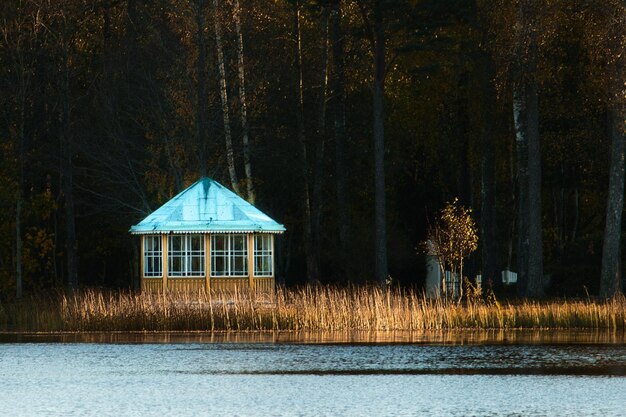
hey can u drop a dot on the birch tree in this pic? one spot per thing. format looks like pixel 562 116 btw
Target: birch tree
pixel 202 95
pixel 230 153
pixel 243 112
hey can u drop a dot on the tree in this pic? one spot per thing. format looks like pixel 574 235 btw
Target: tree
pixel 312 263
pixel 64 28
pixel 230 153
pixel 452 239
pixel 338 110
pixel 526 119
pixel 319 171
pixel 202 99
pixel 379 145
pixel 486 101
pixel 606 37
pixel 377 41
pixel 20 35
pixel 245 134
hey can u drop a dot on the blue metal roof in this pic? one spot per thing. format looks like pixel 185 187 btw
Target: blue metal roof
pixel 207 206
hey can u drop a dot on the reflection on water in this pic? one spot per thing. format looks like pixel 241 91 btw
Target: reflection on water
pixel 513 337
pixel 250 374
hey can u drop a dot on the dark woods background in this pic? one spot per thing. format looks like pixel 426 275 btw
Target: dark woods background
pixel 109 108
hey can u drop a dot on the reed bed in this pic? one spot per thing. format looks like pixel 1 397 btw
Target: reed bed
pixel 319 308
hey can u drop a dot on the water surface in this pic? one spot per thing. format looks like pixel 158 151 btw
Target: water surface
pixel 282 377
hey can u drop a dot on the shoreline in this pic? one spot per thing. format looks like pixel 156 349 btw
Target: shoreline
pixel 425 337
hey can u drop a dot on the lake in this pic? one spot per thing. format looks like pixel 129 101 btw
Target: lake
pixel 267 374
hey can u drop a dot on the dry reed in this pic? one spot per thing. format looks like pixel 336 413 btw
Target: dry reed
pixel 306 309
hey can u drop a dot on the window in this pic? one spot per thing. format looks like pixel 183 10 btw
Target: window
pixel 229 256
pixel 263 265
pixel 152 256
pixel 185 255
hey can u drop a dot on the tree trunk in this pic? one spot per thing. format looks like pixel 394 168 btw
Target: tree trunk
pixel 513 217
pixel 530 248
pixel 247 159
pixel 535 283
pixel 18 208
pixel 521 151
pixel 460 294
pixel 442 269
pixel 530 251
pixel 311 261
pixel 230 154
pixel 576 211
pixel 610 281
pixel 19 243
pixel 488 226
pixel 318 178
pixel 461 131
pixel 107 55
pixel 338 108
pixel 526 117
pixel 202 92
pixel 381 272
pixel 67 175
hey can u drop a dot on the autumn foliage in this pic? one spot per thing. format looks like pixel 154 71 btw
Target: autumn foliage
pixel 452 239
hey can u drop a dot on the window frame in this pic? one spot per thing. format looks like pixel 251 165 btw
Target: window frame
pixel 229 256
pixel 263 252
pixel 186 254
pixel 152 255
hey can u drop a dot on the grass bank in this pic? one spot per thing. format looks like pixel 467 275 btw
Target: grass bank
pixel 308 309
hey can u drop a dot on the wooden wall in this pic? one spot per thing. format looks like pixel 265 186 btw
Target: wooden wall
pixel 194 285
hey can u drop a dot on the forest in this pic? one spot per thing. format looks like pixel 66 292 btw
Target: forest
pixel 351 122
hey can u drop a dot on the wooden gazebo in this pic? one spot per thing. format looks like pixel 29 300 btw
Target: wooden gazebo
pixel 207 237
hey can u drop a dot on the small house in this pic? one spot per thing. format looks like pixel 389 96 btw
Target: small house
pixel 207 237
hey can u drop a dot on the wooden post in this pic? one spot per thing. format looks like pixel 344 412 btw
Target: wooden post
pixel 273 261
pixel 273 282
pixel 251 259
pixel 165 260
pixel 207 262
pixel 142 239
